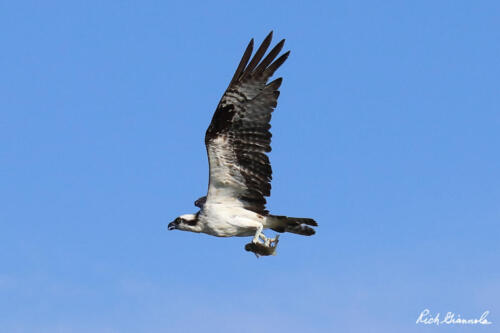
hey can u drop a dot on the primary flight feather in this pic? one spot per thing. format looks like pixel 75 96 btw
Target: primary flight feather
pixel 237 141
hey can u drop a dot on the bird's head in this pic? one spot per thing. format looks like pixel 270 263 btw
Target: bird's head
pixel 186 222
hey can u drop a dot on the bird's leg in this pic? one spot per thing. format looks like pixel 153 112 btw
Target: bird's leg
pixel 262 249
pixel 258 234
pixel 270 242
pixel 266 240
pixel 274 241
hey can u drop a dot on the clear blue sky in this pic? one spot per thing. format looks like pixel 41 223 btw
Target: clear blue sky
pixel 387 133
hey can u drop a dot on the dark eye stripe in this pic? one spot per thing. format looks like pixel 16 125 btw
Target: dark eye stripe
pixel 192 223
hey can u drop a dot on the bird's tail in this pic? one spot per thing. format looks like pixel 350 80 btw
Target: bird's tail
pixel 296 225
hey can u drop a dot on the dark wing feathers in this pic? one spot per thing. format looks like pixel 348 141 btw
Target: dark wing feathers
pixel 243 62
pixel 259 54
pixel 238 137
pixel 270 57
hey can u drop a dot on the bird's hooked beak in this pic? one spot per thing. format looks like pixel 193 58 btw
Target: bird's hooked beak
pixel 173 225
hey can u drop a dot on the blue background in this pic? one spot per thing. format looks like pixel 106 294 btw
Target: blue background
pixel 386 132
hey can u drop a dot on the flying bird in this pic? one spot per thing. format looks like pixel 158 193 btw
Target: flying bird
pixel 237 142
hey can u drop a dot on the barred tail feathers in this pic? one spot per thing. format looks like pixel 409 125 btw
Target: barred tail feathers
pixel 296 225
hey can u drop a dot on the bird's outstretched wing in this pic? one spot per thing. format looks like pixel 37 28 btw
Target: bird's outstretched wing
pixel 238 137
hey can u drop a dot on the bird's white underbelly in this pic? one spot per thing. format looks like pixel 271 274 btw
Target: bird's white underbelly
pixel 220 220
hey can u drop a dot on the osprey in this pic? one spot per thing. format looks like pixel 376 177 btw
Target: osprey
pixel 237 141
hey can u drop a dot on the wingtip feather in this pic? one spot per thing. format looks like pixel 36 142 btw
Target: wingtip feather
pixel 243 62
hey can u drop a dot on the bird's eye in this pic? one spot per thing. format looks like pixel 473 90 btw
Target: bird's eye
pixel 178 220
